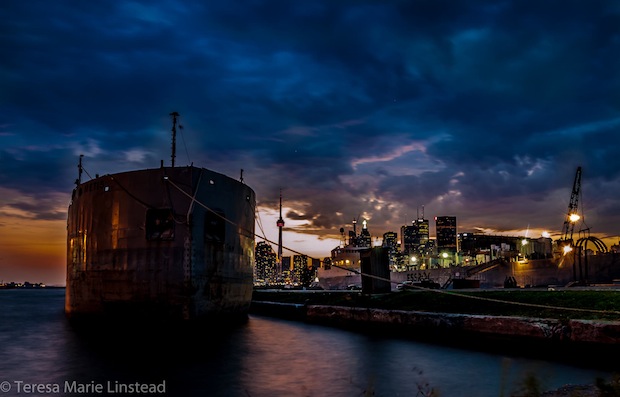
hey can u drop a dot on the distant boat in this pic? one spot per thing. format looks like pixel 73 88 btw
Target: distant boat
pixel 164 243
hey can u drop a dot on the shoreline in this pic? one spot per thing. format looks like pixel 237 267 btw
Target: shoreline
pixel 579 342
pixel 590 343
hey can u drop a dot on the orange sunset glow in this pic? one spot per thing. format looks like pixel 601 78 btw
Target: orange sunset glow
pixel 33 250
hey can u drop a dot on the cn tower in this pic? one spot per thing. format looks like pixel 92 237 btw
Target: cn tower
pixel 280 224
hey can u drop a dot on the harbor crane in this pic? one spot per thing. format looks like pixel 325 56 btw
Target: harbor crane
pixel 572 216
pixel 579 247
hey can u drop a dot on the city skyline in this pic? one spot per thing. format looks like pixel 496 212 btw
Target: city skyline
pixel 377 237
pixel 475 109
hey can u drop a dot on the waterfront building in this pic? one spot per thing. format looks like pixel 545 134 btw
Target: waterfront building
pixel 265 269
pixel 542 247
pixel 423 234
pixel 285 275
pixel 300 266
pixel 415 237
pixel 408 234
pixel 390 242
pixel 446 236
pixel 481 248
pixel 364 239
pixel 484 247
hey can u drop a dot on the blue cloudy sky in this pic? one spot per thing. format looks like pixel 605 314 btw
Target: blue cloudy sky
pixel 372 109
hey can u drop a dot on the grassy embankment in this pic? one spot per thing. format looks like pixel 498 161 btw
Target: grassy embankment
pixel 590 304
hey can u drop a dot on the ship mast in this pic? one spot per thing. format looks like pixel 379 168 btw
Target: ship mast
pixel 174 135
pixel 80 169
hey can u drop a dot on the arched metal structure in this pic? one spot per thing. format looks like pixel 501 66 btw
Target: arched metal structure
pixel 583 242
pixel 581 246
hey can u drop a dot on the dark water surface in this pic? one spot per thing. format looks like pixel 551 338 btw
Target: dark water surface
pixel 263 357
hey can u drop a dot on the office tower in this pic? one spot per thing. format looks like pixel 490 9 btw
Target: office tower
pixel 364 239
pixel 265 268
pixel 416 236
pixel 422 231
pixel 390 240
pixel 409 234
pixel 446 234
pixel 300 268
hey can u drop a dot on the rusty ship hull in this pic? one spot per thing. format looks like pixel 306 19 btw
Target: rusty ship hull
pixel 165 243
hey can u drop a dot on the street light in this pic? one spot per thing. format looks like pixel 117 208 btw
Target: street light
pixel 524 242
pixel 444 256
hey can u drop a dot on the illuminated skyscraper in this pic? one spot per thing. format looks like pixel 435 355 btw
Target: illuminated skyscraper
pixel 422 231
pixel 364 239
pixel 390 240
pixel 264 271
pixel 300 273
pixel 446 234
pixel 414 236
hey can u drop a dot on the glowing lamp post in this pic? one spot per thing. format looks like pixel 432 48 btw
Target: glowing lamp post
pixel 444 257
pixel 524 243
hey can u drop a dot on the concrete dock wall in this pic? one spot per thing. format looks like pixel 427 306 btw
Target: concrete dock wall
pixel 563 331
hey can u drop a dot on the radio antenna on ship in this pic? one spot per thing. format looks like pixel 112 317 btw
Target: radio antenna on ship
pixel 174 135
pixel 80 169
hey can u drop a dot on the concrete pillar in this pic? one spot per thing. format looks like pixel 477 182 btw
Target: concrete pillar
pixel 375 266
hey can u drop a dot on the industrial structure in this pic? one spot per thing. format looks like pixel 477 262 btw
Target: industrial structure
pixel 579 248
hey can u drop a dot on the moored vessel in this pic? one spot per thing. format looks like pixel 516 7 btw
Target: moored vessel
pixel 163 243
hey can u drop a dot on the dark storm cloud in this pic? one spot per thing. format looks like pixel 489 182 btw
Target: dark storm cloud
pixel 41 211
pixel 479 109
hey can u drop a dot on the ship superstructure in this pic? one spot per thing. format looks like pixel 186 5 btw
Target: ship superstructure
pixel 344 266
